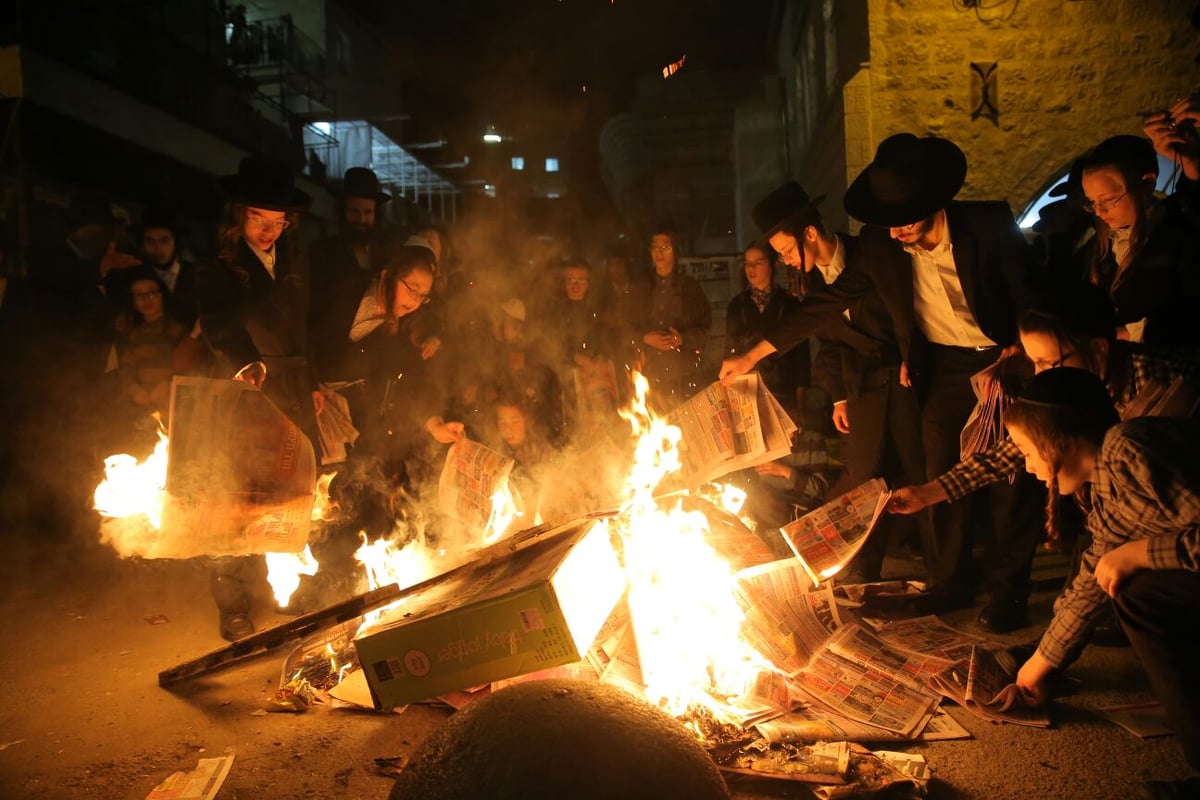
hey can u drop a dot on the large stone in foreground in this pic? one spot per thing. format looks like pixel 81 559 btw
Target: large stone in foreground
pixel 560 739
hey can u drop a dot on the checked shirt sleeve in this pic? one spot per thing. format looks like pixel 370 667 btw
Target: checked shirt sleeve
pixel 999 462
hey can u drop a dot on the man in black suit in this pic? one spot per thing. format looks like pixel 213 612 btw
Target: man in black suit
pixel 859 359
pixel 160 247
pixel 951 275
pixel 355 246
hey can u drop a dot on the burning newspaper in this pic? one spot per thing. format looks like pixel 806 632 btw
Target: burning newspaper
pixel 785 621
pixel 825 540
pixel 240 477
pixel 471 478
pixel 730 428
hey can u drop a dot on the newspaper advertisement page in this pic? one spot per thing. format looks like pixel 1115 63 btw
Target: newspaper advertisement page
pixel 334 426
pixel 927 635
pixel 472 475
pixel 984 687
pixel 786 621
pixel 815 723
pixel 857 644
pixel 826 539
pixel 706 433
pixel 866 694
pixel 241 476
pixel 723 429
pixel 743 414
pixel 777 427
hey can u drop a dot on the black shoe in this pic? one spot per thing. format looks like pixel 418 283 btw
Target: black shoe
pixel 1188 789
pixel 1004 617
pixel 235 626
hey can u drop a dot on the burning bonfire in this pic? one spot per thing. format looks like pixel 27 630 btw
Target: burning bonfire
pixel 662 595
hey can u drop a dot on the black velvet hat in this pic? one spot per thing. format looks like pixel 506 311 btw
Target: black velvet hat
pixel 265 183
pixel 1068 387
pixel 910 179
pixel 362 182
pixel 787 202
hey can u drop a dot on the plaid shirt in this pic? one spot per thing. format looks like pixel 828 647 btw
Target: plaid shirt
pixel 1131 368
pixel 1146 484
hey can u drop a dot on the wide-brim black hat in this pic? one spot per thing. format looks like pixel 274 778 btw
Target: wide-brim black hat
pixel 265 183
pixel 362 182
pixel 788 202
pixel 910 179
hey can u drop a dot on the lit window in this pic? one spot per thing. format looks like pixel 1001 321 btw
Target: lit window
pixel 551 165
pixel 518 162
pixel 324 127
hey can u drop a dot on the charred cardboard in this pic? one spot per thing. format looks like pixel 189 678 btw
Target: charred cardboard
pixel 536 608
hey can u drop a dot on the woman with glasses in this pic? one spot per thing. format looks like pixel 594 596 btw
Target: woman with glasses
pixel 359 350
pixel 152 346
pixel 1145 252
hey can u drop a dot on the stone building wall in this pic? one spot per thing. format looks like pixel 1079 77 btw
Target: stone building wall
pixel 1069 73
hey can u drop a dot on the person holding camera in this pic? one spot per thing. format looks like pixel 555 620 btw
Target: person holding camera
pixel 1173 134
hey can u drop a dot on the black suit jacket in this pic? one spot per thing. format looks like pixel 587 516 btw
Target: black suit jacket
pixel 852 349
pixel 990 256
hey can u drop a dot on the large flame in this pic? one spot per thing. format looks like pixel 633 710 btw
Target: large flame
pixel 134 488
pixel 686 619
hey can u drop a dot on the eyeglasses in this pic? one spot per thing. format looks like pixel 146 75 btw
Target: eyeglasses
pixel 1102 206
pixel 421 296
pixel 1041 364
pixel 790 253
pixel 146 295
pixel 577 281
pixel 661 248
pixel 268 224
pixel 757 262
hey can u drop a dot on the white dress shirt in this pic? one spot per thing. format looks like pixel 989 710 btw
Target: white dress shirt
pixel 939 304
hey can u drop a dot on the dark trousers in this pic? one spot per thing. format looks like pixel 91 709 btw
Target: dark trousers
pixel 1013 514
pixel 1160 612
pixel 884 441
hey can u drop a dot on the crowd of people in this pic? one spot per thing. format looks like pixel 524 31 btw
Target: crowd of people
pixel 1094 325
pixel 1086 342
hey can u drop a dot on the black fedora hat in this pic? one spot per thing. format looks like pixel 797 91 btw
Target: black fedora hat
pixel 362 182
pixel 787 202
pixel 911 178
pixel 264 183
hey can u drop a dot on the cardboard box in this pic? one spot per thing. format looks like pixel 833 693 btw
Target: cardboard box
pixel 536 608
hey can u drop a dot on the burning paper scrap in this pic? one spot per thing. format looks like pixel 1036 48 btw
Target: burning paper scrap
pixel 294 697
pixel 202 783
